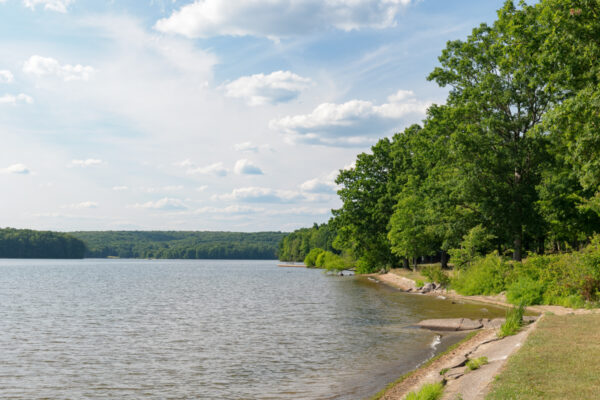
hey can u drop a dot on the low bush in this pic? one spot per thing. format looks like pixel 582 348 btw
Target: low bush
pixel 569 280
pixel 525 291
pixel 331 261
pixel 513 323
pixel 487 275
pixel 311 258
pixel 476 363
pixel 434 273
pixel 419 283
pixel 430 391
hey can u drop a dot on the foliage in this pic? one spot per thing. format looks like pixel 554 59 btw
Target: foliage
pixel 476 363
pixel 25 243
pixel 513 323
pixel 474 244
pixel 311 258
pixel 419 283
pixel 181 245
pixel 332 261
pixel 435 274
pixel 429 391
pixel 525 291
pixel 296 245
pixel 487 275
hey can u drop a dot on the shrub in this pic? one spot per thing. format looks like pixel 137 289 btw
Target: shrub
pixel 430 391
pixel 474 244
pixel 476 363
pixel 332 261
pixel 419 283
pixel 485 276
pixel 320 262
pixel 311 258
pixel 525 291
pixel 435 274
pixel 514 321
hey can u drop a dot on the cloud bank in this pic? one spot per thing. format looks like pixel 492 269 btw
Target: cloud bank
pixel 278 18
pixel 353 122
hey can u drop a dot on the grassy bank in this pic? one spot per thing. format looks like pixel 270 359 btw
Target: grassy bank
pixel 558 361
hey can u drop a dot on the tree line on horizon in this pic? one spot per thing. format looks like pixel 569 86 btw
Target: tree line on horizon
pixel 181 244
pixel 510 162
pixel 27 243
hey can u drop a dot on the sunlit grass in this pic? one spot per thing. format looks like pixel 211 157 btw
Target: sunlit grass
pixel 558 361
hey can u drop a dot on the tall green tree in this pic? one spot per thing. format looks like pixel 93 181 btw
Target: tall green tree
pixel 497 98
pixel 369 193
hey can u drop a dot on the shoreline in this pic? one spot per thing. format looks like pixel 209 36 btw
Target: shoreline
pixel 474 384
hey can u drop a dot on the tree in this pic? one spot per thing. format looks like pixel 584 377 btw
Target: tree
pixel 497 99
pixel 369 193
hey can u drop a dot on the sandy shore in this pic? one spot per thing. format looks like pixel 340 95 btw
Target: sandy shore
pixel 459 382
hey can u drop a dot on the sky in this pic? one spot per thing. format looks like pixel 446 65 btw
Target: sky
pixel 230 115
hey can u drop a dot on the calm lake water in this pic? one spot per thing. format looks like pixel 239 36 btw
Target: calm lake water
pixel 206 330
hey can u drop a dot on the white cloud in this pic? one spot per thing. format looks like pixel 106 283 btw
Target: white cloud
pixel 353 122
pixel 16 169
pixel 201 188
pixel 249 147
pixel 46 66
pixel 85 163
pixel 54 5
pixel 6 76
pixel 82 205
pixel 246 167
pixel 261 195
pixel 217 169
pixel 324 184
pixel 260 89
pixel 278 18
pixel 163 204
pixel 16 99
pixel 120 188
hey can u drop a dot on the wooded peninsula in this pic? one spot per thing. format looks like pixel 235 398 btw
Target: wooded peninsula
pixel 502 182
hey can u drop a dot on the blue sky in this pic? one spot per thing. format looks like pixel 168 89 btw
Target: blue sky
pixel 207 115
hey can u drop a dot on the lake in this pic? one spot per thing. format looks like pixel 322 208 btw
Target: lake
pixel 207 329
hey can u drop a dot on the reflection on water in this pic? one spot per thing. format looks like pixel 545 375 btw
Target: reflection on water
pixel 206 329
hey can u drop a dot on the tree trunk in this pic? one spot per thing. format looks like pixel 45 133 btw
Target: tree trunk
pixel 444 259
pixel 517 245
pixel 405 263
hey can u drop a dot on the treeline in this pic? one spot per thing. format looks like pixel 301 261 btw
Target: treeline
pixel 25 243
pixel 510 163
pixel 180 245
pixel 297 245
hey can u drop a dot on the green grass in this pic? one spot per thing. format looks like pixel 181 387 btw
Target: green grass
pixel 430 391
pixel 513 323
pixel 558 361
pixel 398 381
pixel 476 363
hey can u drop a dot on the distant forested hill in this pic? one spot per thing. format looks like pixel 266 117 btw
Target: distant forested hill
pixel 181 245
pixel 25 243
